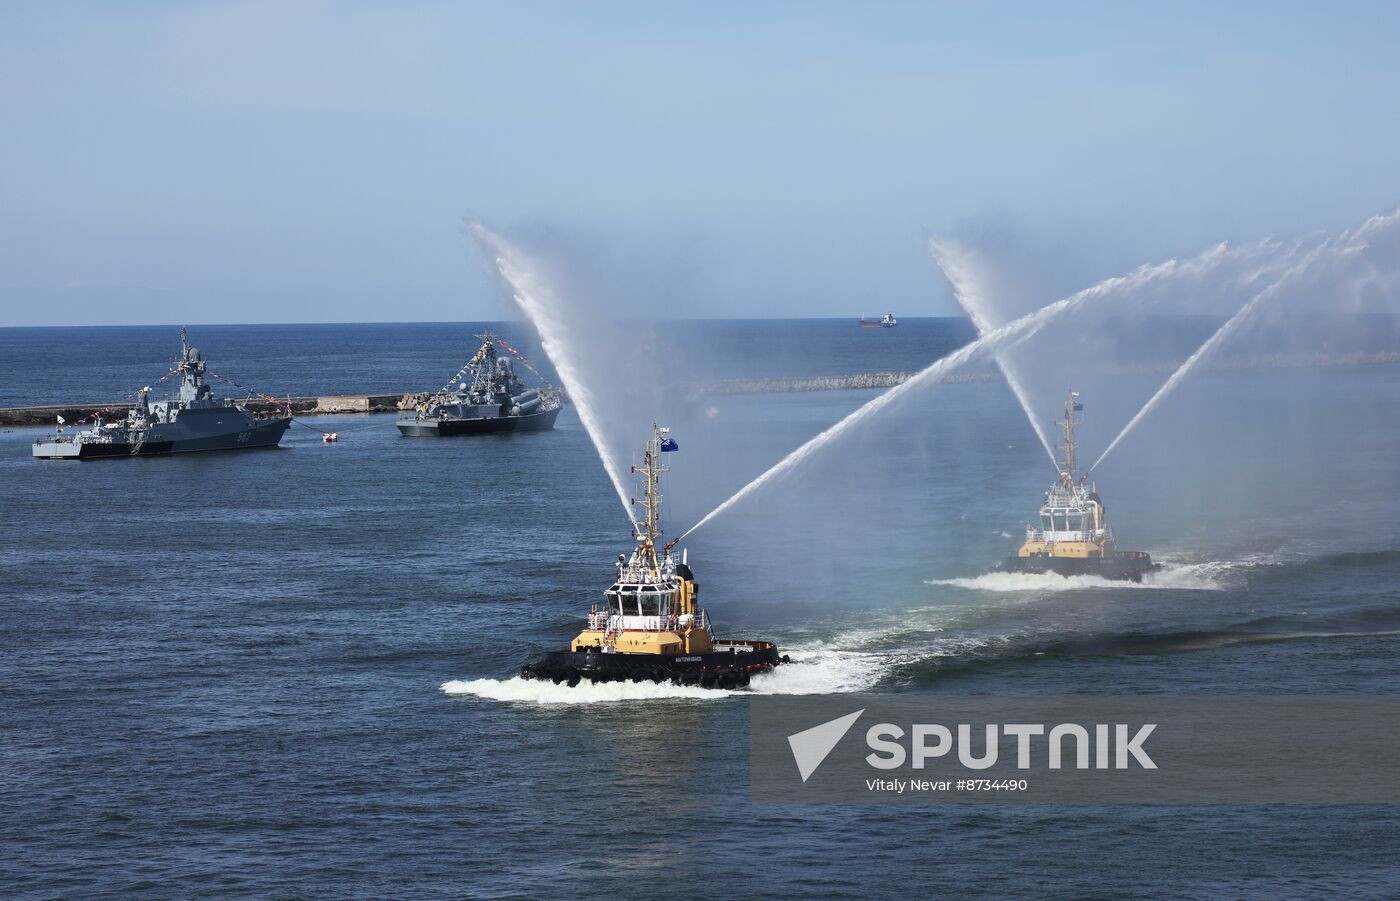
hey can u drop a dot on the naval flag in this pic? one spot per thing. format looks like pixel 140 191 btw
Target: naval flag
pixel 61 420
pixel 669 444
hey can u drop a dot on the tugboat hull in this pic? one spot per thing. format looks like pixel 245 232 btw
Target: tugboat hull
pixel 542 420
pixel 730 665
pixel 1128 567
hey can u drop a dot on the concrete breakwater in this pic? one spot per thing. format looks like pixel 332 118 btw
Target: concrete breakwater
pixel 863 380
pixel 394 401
pixel 387 402
pixel 883 380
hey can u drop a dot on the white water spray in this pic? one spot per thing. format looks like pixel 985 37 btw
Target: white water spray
pixel 1005 338
pixel 539 305
pixel 952 260
pixel 1347 244
pixel 1013 332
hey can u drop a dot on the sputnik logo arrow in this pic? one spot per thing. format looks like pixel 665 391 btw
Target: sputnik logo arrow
pixel 811 746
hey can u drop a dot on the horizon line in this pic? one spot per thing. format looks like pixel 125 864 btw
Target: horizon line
pixel 454 321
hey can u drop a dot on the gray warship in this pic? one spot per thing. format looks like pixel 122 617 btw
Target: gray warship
pixel 194 421
pixel 494 400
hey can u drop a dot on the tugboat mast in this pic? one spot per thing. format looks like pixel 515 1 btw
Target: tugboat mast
pixel 649 529
pixel 1072 406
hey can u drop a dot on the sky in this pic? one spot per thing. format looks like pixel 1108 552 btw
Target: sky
pixel 272 161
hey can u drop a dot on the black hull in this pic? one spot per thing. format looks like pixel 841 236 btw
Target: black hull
pixel 263 436
pixel 1129 567
pixel 714 669
pixel 444 428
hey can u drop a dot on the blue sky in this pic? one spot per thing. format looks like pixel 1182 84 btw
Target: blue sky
pixel 303 162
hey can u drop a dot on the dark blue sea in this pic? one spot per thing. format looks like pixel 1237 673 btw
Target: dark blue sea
pixel 290 673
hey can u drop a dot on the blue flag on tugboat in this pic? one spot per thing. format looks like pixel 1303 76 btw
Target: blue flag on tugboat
pixel 669 444
pixel 1079 408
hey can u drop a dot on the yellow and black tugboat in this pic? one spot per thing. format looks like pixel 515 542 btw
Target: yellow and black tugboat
pixel 1073 538
pixel 651 626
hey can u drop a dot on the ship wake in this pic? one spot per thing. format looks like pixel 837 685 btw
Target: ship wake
pixel 540 691
pixel 820 668
pixel 1191 577
pixel 817 669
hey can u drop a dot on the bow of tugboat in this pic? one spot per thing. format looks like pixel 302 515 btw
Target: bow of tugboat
pixel 650 625
pixel 1072 537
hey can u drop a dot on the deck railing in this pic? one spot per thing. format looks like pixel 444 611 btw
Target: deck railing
pixel 603 621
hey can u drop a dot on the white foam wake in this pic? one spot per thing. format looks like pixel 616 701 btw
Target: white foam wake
pixel 816 669
pixel 541 691
pixel 822 669
pixel 1198 577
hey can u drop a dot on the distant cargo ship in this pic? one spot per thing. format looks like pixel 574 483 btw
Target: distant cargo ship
pixel 885 321
pixel 1073 537
pixel 194 421
pixel 494 400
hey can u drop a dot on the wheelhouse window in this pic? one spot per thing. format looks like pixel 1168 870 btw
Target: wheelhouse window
pixel 627 598
pixel 1045 522
pixel 650 600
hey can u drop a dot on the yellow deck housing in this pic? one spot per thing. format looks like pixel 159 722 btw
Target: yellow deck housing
pixel 1082 549
pixel 693 639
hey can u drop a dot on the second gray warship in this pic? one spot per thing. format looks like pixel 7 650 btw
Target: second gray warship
pixel 193 421
pixel 494 400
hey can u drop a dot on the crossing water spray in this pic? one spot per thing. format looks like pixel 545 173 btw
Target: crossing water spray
pixel 1007 336
pixel 539 304
pixel 1347 244
pixel 952 260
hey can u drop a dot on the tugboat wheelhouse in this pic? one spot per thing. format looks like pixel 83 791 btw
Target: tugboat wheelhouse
pixel 650 624
pixel 1072 536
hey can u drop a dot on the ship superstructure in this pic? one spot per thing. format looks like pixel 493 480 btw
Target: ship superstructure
pixel 1072 536
pixel 194 420
pixel 486 395
pixel 650 624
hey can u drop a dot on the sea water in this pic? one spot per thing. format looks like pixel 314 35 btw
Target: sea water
pixel 291 672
